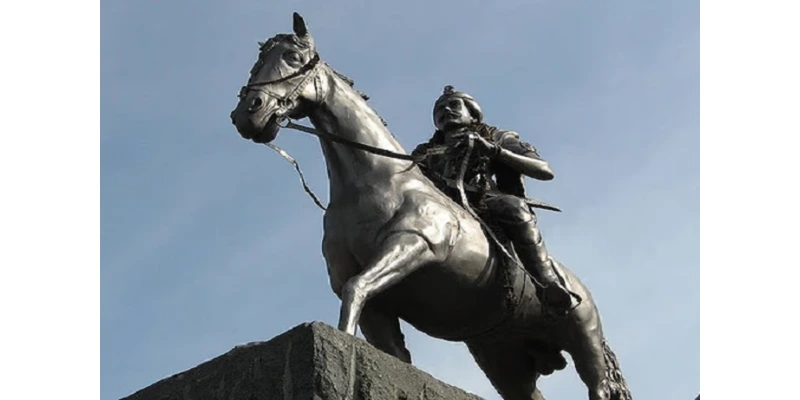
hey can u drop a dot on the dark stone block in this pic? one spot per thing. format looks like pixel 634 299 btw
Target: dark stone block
pixel 312 361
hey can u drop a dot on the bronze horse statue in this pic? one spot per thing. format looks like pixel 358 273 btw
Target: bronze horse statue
pixel 398 248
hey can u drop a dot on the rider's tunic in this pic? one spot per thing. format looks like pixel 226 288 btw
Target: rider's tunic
pixel 443 168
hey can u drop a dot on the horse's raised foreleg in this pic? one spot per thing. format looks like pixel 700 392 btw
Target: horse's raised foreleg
pixel 383 331
pixel 398 256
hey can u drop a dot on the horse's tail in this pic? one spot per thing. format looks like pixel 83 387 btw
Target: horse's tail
pixel 617 386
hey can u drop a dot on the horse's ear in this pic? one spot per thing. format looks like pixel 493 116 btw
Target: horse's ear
pixel 299 25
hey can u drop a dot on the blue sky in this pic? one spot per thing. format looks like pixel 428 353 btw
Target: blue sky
pixel 208 240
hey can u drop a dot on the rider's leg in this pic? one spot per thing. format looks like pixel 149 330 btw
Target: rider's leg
pixel 519 224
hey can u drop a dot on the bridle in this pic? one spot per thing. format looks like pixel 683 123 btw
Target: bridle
pixel 309 71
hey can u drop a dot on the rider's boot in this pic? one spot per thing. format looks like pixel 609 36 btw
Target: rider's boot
pixel 531 250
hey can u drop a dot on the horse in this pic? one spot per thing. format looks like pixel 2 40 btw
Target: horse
pixel 397 248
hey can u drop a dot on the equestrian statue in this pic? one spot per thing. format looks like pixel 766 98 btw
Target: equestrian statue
pixel 425 237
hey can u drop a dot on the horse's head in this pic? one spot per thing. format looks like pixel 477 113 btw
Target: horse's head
pixel 279 85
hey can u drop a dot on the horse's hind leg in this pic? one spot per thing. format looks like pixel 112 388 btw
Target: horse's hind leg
pixel 595 362
pixel 509 368
pixel 383 331
pixel 587 353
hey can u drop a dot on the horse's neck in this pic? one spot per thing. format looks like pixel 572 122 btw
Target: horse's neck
pixel 346 114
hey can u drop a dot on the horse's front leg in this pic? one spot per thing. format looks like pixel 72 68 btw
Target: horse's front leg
pixel 398 256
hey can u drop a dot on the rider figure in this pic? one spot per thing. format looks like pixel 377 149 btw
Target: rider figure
pixel 500 154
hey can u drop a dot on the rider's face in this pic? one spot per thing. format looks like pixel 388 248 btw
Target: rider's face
pixel 452 114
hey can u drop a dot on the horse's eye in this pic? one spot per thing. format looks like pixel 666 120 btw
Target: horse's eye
pixel 292 57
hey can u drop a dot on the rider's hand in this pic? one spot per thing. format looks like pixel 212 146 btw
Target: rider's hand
pixel 484 147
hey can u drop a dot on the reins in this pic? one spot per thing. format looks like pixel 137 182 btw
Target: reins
pixel 284 122
pixel 361 146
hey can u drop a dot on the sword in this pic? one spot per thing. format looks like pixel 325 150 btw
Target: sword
pixel 531 202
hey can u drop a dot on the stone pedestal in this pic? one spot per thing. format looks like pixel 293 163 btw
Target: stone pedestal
pixel 312 361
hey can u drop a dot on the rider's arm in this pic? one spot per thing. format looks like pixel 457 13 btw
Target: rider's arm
pixel 521 156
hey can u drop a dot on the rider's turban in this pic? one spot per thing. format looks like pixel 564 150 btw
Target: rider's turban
pixel 449 92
